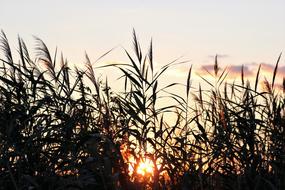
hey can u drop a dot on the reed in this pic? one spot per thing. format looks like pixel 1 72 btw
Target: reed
pixel 65 128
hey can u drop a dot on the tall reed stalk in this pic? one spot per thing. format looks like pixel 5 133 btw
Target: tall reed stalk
pixel 65 128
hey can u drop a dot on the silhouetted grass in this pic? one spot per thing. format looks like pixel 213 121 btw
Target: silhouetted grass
pixel 63 128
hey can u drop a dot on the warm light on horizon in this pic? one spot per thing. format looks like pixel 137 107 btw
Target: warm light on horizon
pixel 144 167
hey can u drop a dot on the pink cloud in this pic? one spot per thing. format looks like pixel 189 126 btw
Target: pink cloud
pixel 233 71
pixel 281 70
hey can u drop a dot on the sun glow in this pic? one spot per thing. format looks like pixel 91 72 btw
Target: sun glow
pixel 145 167
pixel 142 167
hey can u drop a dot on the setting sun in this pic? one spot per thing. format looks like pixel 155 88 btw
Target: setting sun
pixel 145 167
pixel 142 167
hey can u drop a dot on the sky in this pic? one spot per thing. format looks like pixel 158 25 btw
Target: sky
pixel 238 31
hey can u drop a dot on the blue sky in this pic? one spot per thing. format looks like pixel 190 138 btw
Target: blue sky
pixel 245 32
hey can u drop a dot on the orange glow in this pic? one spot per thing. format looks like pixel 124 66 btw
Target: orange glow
pixel 141 168
pixel 145 167
pixel 137 166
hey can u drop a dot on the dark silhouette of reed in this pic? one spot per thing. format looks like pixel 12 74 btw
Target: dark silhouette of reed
pixel 63 128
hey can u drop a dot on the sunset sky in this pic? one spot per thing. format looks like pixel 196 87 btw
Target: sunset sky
pixel 241 32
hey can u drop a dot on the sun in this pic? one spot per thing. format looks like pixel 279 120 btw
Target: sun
pixel 142 166
pixel 145 167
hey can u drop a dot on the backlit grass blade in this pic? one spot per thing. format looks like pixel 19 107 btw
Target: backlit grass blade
pixel 257 78
pixel 275 70
pixel 188 84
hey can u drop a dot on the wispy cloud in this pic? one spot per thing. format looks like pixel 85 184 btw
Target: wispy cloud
pixel 265 67
pixel 233 71
pixel 268 68
pixel 249 69
pixel 280 71
pixel 236 70
pixel 220 56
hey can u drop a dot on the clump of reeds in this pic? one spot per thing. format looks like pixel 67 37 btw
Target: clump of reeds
pixel 64 128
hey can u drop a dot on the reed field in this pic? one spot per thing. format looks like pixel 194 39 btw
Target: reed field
pixel 63 127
